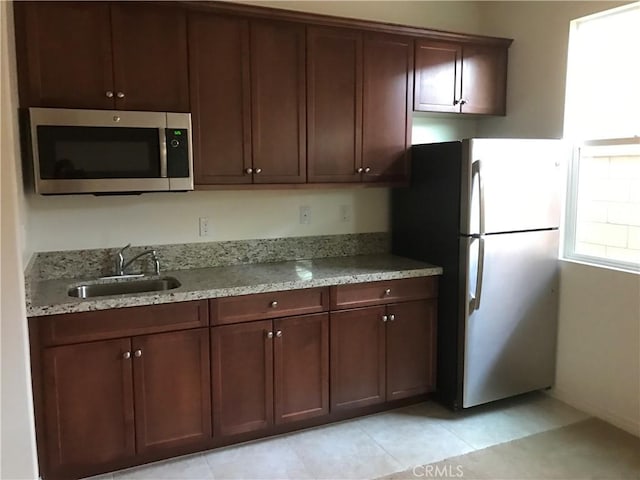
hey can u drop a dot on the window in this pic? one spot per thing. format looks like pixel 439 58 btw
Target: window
pixel 602 120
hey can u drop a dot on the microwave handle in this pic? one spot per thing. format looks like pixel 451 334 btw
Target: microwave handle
pixel 162 133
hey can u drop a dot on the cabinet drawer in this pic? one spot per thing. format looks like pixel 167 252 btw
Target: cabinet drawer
pixel 121 322
pixel 378 293
pixel 268 305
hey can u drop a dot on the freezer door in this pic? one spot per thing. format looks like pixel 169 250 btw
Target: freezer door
pixel 511 185
pixel 511 321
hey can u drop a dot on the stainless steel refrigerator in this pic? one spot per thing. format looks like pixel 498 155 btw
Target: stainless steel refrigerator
pixel 488 212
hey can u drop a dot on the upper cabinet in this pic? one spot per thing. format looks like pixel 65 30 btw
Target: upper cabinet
pixel 248 100
pixel 460 77
pixel 125 56
pixel 386 130
pixel 276 97
pixel 278 124
pixel 358 105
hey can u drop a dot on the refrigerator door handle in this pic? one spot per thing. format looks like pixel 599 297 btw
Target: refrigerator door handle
pixel 476 169
pixel 474 303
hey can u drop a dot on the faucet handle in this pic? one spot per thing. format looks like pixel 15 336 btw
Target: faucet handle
pixel 156 261
pixel 120 260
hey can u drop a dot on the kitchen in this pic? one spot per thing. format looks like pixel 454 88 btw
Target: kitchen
pixel 535 99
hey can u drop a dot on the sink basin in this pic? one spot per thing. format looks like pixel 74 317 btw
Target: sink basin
pixel 119 288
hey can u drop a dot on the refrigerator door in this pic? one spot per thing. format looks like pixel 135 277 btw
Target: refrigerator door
pixel 511 320
pixel 511 185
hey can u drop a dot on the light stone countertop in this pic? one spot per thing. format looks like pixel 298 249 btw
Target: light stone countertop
pixel 49 297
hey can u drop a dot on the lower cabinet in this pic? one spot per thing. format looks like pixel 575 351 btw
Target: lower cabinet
pixel 382 353
pixel 270 371
pixel 116 388
pixel 91 391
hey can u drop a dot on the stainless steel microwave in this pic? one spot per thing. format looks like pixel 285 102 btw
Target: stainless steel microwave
pixel 109 151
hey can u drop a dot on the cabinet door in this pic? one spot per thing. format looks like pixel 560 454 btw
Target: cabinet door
pixel 484 79
pixel 411 348
pixel 88 405
pixel 437 76
pixel 150 57
pixel 357 358
pixel 242 375
pixel 219 89
pixel 172 389
pixel 278 102
pixel 64 54
pixel 334 105
pixel 388 85
pixel 301 357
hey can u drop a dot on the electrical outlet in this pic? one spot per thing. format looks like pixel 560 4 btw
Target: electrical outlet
pixel 204 226
pixel 345 213
pixel 305 215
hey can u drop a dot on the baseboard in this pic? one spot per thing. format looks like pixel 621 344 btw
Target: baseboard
pixel 627 424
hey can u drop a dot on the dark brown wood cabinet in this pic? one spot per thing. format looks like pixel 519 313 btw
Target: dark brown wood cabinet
pixel 248 100
pixel 359 106
pixel 127 56
pixel 242 377
pixel 172 389
pixel 357 358
pixel 267 372
pixel 460 77
pixel 278 124
pixel 386 118
pixel 382 353
pixel 411 348
pixel 106 395
pixel 301 367
pixel 334 105
pixel 88 406
pixel 220 98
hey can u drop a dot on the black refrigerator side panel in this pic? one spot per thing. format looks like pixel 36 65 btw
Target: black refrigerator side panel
pixel 425 220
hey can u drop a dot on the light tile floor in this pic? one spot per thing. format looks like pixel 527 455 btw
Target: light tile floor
pixel 368 447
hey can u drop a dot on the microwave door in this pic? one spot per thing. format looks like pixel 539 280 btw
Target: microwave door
pixel 81 159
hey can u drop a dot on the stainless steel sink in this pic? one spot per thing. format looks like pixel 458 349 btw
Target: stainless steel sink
pixel 119 287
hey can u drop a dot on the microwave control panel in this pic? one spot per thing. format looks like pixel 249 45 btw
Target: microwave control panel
pixel 177 152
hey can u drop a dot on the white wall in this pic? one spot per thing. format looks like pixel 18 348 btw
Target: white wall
pixel 77 222
pixel 17 453
pixel 598 346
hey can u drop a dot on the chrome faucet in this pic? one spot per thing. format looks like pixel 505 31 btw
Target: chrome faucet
pixel 121 266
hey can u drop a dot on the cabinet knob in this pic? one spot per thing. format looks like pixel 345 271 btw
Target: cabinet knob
pixel 109 94
pixel 137 353
pixel 126 355
pixel 462 101
pixel 279 333
pixel 116 118
pixel 385 318
pixel 258 170
pixel 392 317
pixel 367 170
pixel 120 94
pixel 274 304
pixel 360 170
pixel 269 334
pixel 249 170
pixel 387 292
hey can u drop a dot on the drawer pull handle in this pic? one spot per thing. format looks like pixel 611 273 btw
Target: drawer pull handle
pixel 387 292
pixel 138 353
pixel 385 318
pixel 279 333
pixel 269 334
pixel 392 317
pixel 126 355
pixel 273 304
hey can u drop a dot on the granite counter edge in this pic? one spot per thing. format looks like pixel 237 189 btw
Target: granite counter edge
pixel 157 298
